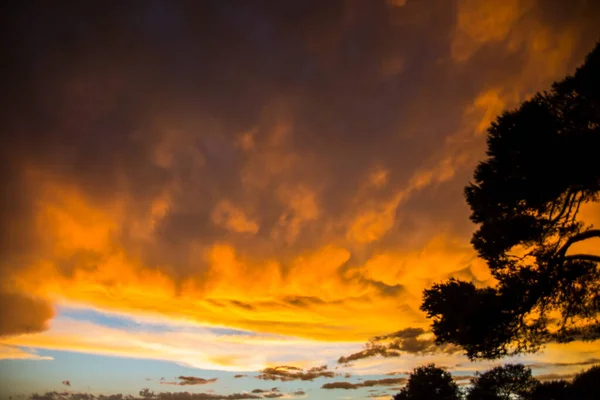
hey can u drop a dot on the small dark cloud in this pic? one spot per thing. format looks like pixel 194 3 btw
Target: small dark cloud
pixel 268 393
pixel 462 378
pixel 299 393
pixel 554 377
pixel 406 341
pixel 66 383
pixel 377 394
pixel 238 376
pixel 398 373
pixel 190 380
pixel 288 373
pixel 367 383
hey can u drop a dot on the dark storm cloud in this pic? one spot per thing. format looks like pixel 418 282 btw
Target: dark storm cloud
pixel 272 126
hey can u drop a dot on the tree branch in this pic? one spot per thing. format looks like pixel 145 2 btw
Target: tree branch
pixel 563 209
pixel 578 238
pixel 582 257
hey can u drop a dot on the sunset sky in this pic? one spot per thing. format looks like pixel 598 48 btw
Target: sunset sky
pixel 194 190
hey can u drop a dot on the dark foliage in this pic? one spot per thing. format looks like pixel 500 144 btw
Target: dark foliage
pixel 543 164
pixel 429 383
pixel 585 384
pixel 552 390
pixel 511 381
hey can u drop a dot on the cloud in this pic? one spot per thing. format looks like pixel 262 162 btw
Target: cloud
pixel 289 373
pixel 311 191
pixel 190 380
pixel 267 391
pixel 366 383
pixel 20 314
pixel 180 342
pixel 16 353
pixel 406 341
pixel 237 376
pixel 232 218
pixel 589 361
pixel 66 383
pixel 555 377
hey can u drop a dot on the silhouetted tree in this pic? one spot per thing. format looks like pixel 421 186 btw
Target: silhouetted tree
pixel 508 382
pixel 552 390
pixel 585 384
pixel 429 383
pixel 543 164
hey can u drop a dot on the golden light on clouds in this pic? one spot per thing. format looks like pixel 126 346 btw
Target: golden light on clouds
pixel 300 176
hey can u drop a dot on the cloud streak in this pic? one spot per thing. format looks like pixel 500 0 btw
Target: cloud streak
pixel 407 341
pixel 366 383
pixel 286 373
pixel 190 380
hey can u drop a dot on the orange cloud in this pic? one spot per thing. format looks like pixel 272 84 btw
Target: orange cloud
pixel 312 192
pixel 20 313
pixel 15 353
pixel 479 23
pixel 230 217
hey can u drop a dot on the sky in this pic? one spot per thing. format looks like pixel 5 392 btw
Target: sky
pixel 198 190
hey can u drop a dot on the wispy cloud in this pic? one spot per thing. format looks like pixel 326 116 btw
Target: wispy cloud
pixel 366 383
pixel 190 380
pixel 289 373
pixel 407 341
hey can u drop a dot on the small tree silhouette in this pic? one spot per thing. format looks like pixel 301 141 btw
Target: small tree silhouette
pixel 429 383
pixel 508 382
pixel 585 384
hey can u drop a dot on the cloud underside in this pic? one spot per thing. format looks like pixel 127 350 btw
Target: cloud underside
pixel 415 341
pixel 190 380
pixel 289 373
pixel 307 181
pixel 367 383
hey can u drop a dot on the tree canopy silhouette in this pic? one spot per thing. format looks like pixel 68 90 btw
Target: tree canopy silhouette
pixel 508 382
pixel 552 390
pixel 429 382
pixel 585 384
pixel 543 164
